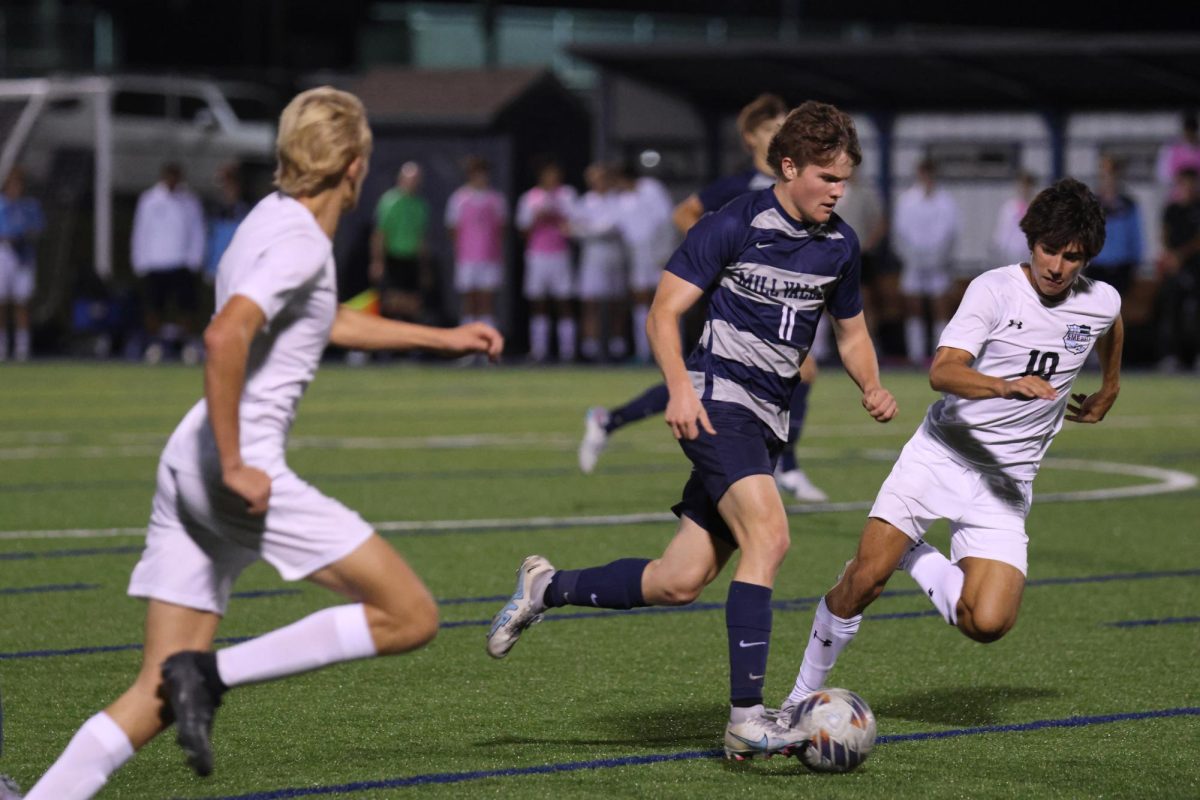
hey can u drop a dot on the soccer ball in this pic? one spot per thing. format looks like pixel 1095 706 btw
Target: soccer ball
pixel 840 729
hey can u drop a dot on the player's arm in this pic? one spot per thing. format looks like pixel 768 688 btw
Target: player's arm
pixel 858 356
pixel 952 373
pixel 355 330
pixel 687 213
pixel 227 343
pixel 672 299
pixel 1092 407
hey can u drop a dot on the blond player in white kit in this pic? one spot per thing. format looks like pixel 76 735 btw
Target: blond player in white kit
pixel 226 496
pixel 1005 363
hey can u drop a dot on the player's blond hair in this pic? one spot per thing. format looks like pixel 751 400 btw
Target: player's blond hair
pixel 320 133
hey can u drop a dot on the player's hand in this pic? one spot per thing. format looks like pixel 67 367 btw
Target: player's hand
pixel 686 415
pixel 251 484
pixel 1089 407
pixel 1029 387
pixel 475 337
pixel 880 404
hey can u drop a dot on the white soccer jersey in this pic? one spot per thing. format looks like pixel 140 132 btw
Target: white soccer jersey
pixel 281 259
pixel 1012 332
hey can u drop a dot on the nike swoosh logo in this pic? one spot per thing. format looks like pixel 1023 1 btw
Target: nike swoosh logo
pixel 762 246
pixel 754 677
pixel 744 643
pixel 593 598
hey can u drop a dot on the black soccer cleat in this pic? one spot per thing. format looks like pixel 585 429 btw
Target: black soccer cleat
pixel 193 689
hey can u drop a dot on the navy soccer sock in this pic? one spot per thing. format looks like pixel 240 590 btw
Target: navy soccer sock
pixel 651 401
pixel 748 620
pixel 615 585
pixel 798 410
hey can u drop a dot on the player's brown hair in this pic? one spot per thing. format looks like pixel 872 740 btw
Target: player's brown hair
pixel 759 110
pixel 321 132
pixel 1065 213
pixel 814 133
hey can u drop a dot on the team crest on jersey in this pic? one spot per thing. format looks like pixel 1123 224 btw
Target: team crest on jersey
pixel 1077 338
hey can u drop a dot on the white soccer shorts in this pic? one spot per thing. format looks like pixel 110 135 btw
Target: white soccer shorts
pixel 200 537
pixel 548 275
pixel 986 511
pixel 601 273
pixel 477 276
pixel 645 267
pixel 924 282
pixel 16 279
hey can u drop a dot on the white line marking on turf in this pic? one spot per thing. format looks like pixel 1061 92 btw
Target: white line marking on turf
pixel 58 444
pixel 1166 482
pixel 538 441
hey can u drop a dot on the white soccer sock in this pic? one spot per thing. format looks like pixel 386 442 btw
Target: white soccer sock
pixel 914 339
pixel 566 340
pixel 327 637
pixel 641 344
pixel 941 580
pixel 96 751
pixel 539 337
pixel 830 634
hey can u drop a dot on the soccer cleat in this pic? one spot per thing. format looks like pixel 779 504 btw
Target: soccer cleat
pixel 760 736
pixel 194 701
pixel 524 609
pixel 796 482
pixel 595 438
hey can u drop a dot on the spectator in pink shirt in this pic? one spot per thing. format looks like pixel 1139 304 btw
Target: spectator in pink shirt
pixel 476 214
pixel 542 216
pixel 1181 154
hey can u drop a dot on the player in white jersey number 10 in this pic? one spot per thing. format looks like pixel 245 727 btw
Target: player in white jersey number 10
pixel 1005 365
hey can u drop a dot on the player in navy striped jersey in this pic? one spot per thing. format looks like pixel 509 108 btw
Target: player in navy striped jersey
pixel 757 123
pixel 770 262
pixel 1006 363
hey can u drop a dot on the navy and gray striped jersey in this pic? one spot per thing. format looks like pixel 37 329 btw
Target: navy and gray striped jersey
pixel 722 190
pixel 768 277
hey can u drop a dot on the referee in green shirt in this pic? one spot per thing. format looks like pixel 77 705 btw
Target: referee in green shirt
pixel 399 263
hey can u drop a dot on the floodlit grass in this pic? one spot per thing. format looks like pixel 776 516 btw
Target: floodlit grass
pixel 78 445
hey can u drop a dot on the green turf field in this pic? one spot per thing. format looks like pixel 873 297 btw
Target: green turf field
pixel 607 705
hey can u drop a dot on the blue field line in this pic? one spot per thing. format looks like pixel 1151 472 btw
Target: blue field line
pixel 50 587
pixel 255 594
pixel 1142 623
pixel 74 552
pixel 689 755
pixel 796 604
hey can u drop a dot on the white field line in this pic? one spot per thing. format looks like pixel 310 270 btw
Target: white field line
pixel 1165 481
pixel 57 444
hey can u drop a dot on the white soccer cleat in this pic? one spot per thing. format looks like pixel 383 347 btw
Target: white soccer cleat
pixel 761 736
pixel 595 438
pixel 798 484
pixel 523 609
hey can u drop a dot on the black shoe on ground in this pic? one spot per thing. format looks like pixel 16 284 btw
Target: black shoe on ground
pixel 193 689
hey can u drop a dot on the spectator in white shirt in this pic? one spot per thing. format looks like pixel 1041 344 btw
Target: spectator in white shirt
pixel 924 233
pixel 166 252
